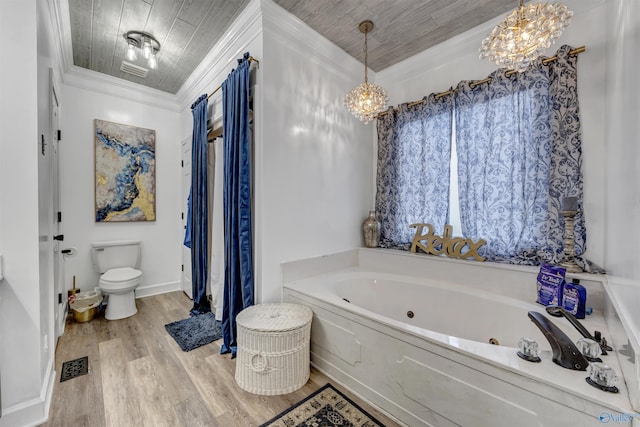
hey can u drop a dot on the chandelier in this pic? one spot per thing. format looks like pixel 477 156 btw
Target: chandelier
pixel 146 43
pixel 524 34
pixel 368 99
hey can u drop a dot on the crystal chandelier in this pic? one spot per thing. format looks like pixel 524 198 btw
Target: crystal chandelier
pixel 368 99
pixel 524 34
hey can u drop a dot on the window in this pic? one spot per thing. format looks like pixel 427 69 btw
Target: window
pixel 493 160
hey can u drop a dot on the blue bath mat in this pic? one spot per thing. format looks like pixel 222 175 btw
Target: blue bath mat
pixel 195 331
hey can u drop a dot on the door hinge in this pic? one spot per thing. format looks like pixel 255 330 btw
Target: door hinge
pixel 182 267
pixel 182 215
pixel 59 135
pixel 59 298
pixel 59 216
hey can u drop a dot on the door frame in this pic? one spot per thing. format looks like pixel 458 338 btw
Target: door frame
pixel 60 307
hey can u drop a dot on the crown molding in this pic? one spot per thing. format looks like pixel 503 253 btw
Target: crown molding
pixel 215 66
pixel 103 83
pixel 61 25
pixel 83 78
pixel 292 31
pixel 450 49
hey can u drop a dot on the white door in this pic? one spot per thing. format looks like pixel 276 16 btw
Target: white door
pixel 60 310
pixel 186 186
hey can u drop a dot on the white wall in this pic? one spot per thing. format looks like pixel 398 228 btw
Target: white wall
pixel 22 357
pixel 623 139
pixel 443 66
pixel 161 238
pixel 315 176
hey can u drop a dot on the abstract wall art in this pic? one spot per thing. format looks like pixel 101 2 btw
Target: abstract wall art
pixel 125 172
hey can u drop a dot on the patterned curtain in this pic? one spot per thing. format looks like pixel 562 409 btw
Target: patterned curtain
pixel 518 141
pixel 414 152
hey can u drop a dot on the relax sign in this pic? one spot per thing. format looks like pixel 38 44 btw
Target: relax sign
pixel 453 247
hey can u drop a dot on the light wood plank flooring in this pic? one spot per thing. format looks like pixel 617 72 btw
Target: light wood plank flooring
pixel 139 376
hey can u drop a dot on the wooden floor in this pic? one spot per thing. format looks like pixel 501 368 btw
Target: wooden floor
pixel 139 376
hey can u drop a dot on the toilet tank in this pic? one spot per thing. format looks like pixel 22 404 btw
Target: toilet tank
pixel 115 254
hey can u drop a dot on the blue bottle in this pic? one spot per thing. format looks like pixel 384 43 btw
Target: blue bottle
pixel 574 298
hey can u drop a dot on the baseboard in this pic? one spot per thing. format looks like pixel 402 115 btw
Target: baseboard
pixel 33 412
pixel 157 289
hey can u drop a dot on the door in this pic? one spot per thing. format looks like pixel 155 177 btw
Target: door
pixel 186 186
pixel 60 310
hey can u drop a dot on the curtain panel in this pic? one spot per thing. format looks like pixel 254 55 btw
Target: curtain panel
pixel 414 152
pixel 198 216
pixel 238 281
pixel 519 153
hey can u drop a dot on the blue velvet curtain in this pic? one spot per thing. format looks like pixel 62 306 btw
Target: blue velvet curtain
pixel 518 140
pixel 412 182
pixel 238 283
pixel 197 221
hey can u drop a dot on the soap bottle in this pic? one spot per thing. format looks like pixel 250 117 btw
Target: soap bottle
pixel 574 298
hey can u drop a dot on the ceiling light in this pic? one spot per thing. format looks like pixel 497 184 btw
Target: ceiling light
pixel 524 34
pixel 368 99
pixel 132 55
pixel 146 47
pixel 145 41
pixel 153 62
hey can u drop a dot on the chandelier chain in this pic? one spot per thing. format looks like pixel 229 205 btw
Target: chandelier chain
pixel 366 57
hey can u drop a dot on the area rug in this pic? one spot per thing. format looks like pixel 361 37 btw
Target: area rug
pixel 195 331
pixel 74 368
pixel 324 407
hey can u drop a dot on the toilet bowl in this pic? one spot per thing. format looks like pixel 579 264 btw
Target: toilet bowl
pixel 118 262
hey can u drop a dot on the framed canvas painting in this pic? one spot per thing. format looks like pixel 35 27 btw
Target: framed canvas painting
pixel 125 172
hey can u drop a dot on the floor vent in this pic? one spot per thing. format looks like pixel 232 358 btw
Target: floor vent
pixel 74 368
pixel 130 68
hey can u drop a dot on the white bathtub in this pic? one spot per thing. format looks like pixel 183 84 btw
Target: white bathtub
pixel 437 367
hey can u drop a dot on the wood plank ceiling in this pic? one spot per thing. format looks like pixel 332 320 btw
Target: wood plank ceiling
pixel 188 29
pixel 402 28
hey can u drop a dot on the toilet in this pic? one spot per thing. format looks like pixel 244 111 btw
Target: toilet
pixel 118 264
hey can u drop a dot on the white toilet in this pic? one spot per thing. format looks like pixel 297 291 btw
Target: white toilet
pixel 118 262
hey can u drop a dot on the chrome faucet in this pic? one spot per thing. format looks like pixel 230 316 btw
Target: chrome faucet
pixel 565 353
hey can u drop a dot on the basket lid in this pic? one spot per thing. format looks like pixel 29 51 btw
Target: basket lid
pixel 274 317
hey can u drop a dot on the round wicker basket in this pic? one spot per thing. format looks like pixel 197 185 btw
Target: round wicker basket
pixel 273 348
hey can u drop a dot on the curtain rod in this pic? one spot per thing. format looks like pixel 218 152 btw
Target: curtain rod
pixel 251 59
pixel 507 73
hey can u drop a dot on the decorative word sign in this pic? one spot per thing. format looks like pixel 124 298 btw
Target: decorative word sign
pixel 447 244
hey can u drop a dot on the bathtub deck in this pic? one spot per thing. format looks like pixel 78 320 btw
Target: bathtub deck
pixel 139 376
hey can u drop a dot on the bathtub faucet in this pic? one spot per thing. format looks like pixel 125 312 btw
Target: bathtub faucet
pixel 557 311
pixel 565 353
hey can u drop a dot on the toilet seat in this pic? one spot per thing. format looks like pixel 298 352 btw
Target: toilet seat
pixel 120 278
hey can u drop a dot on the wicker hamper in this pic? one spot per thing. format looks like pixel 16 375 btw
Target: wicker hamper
pixel 273 348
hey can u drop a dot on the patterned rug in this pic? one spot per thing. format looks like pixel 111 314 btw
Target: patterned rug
pixel 195 331
pixel 324 407
pixel 74 368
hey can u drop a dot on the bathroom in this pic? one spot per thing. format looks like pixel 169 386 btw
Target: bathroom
pixel 313 160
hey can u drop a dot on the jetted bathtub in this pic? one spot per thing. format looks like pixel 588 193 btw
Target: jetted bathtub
pixel 441 354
